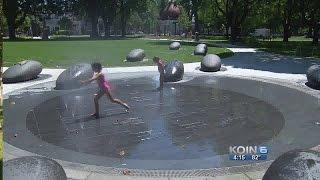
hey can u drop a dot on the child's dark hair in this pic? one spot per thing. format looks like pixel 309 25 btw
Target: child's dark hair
pixel 96 66
pixel 156 58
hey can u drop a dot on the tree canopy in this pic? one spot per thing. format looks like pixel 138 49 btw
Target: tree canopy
pixel 234 18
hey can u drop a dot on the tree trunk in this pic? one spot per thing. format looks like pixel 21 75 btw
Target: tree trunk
pixel 196 21
pixel 10 10
pixel 12 31
pixel 286 32
pixel 94 29
pixel 309 33
pixel 235 32
pixel 123 19
pixel 123 25
pixel 11 26
pixel 106 27
pixel 287 20
pixel 316 33
pixel 227 31
pixel 45 30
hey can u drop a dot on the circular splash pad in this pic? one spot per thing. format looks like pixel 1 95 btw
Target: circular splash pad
pixel 189 125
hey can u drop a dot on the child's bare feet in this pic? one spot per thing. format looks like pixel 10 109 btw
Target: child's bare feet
pixel 95 115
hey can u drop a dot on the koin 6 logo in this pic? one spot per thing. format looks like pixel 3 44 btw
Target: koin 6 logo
pixel 241 150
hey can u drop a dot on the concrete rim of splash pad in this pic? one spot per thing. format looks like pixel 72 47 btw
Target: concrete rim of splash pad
pixel 84 170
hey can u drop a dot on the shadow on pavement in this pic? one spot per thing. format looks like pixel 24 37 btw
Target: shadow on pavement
pixel 270 62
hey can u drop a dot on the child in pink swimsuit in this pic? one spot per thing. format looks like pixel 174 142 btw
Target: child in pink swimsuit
pixel 105 88
pixel 160 63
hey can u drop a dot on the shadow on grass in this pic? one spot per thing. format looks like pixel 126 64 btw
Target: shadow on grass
pixel 167 42
pixel 183 43
pixel 70 39
pixel 291 48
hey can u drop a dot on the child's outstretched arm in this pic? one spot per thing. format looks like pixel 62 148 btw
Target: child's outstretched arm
pixel 91 79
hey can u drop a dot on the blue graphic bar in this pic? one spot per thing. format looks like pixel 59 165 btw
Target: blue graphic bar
pixel 248 157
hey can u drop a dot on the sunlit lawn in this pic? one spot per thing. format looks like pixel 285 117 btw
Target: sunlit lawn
pixel 56 54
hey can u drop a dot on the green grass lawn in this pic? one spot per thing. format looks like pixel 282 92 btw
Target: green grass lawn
pixel 297 46
pixel 60 54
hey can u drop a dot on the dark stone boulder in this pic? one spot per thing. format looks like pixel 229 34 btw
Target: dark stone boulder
pixel 296 164
pixel 136 55
pixel 23 71
pixel 210 63
pixel 173 71
pixel 201 49
pixel 33 167
pixel 175 46
pixel 313 76
pixel 71 77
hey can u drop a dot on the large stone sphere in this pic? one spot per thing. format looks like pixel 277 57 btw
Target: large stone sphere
pixel 33 167
pixel 201 49
pixel 210 63
pixel 173 71
pixel 23 71
pixel 313 76
pixel 71 77
pixel 136 55
pixel 174 46
pixel 296 164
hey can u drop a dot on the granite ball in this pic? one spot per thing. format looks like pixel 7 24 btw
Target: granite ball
pixel 33 167
pixel 173 71
pixel 296 164
pixel 22 71
pixel 201 49
pixel 136 55
pixel 313 76
pixel 175 46
pixel 71 77
pixel 210 63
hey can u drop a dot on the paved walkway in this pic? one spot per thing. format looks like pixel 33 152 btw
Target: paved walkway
pixel 246 62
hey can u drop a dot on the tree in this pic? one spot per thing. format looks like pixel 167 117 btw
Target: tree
pixel 150 16
pixel 193 6
pixel 108 13
pixel 196 4
pixel 235 13
pixel 93 13
pixel 314 9
pixel 184 21
pixel 126 7
pixel 16 11
pixel 306 13
pixel 287 19
pixel 65 23
pixel 14 16
pixel 90 9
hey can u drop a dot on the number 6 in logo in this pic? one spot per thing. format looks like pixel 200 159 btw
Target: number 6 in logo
pixel 263 150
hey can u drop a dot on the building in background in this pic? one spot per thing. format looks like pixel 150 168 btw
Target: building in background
pixel 168 21
pixel 78 26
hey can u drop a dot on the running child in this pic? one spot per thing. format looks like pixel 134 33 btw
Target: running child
pixel 104 89
pixel 160 63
